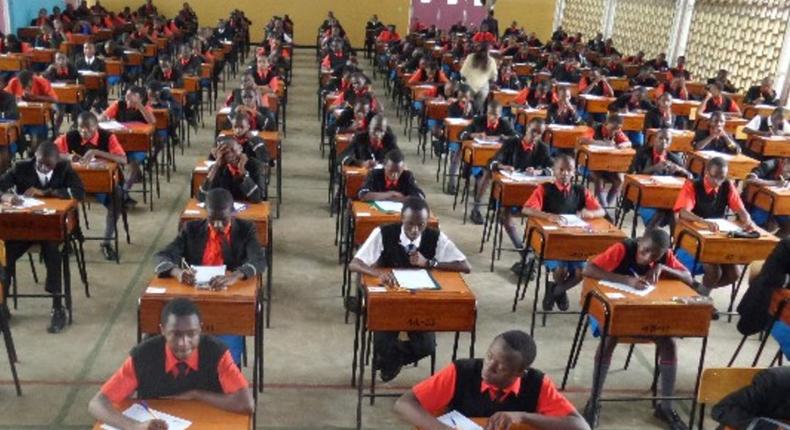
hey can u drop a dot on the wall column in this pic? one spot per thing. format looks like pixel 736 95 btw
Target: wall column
pixel 681 26
pixel 559 8
pixel 782 78
pixel 607 24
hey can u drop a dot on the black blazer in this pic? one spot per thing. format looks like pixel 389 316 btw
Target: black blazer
pixel 767 396
pixel 98 65
pixel 64 183
pixel 359 150
pixel 8 107
pixel 755 303
pixel 176 79
pixel 243 253
pixel 52 74
pixel 511 153
pixel 480 125
pixel 376 183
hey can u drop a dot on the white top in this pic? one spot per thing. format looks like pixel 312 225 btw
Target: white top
pixel 44 178
pixel 478 79
pixel 370 251
pixel 754 123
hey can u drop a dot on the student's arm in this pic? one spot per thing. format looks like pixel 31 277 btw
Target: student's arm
pixel 73 187
pixel 502 420
pixel 168 260
pixel 102 409
pixel 408 408
pixel 366 258
pixel 251 182
pixel 148 115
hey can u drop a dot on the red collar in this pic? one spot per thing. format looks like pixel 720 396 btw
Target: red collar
pixel 492 126
pixel 658 158
pixel 513 389
pixel 94 140
pixel 526 145
pixel 709 188
pixel 565 189
pixel 390 184
pixel 171 362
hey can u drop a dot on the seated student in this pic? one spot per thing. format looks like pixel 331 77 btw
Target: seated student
pixel 393 182
pixel 266 75
pixel 94 98
pixel 87 143
pixel 63 72
pixel 167 75
pixel 336 59
pixel 675 87
pixel 723 80
pixel 655 159
pixel 131 109
pixel 661 116
pixel 645 78
pixel 659 63
pixel 47 38
pixel 430 73
pixel 29 87
pixel 680 69
pixel 168 365
pixel 8 112
pixel 715 101
pixel 563 111
pixel 259 117
pixel 639 263
pixel 567 71
pixel 752 407
pixel 614 67
pixel 160 97
pixel 762 94
pixel 45 175
pixel 41 19
pixel 251 144
pixel 548 202
pixel 528 155
pixel 503 387
pixel 637 100
pixel 609 133
pixel 408 244
pixel 355 119
pixel 247 82
pixel 234 171
pixel 541 95
pixel 706 198
pixel 461 106
pixel 220 239
pixel 360 87
pixel 774 172
pixel 716 138
pixel 596 84
pixel 774 124
pixel 491 125
pixel 368 147
pixel 188 63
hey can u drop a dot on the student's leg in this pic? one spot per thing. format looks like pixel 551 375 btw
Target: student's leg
pixel 710 278
pixel 512 230
pixel 729 275
pixel 616 179
pixel 784 226
pixel 668 366
pixel 572 278
pixel 599 186
pixel 603 359
pixel 481 186
pixel 13 250
pixel 421 344
pixel 54 280
pixel 113 207
pixel 387 357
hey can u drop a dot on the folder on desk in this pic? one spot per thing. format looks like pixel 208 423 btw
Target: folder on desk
pixel 419 279
pixel 388 206
pixel 204 274
pixel 138 413
pixel 458 421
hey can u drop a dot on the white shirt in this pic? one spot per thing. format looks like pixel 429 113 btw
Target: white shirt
pixel 370 251
pixel 754 123
pixel 43 179
pixel 89 60
pixel 478 79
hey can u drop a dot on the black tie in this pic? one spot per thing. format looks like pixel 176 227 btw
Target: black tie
pixel 182 368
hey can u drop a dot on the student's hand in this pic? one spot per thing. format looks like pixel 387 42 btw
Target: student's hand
pixel 554 218
pixel 34 192
pixel 370 164
pixel 417 259
pixel 186 277
pixel 712 226
pixel 396 196
pixel 654 274
pixel 530 171
pixel 387 278
pixel 504 420
pixel 587 214
pixel 218 283
pixel 11 199
pixel 749 227
pixel 638 283
pixel 152 425
pixel 88 157
pixel 242 164
pixel 505 168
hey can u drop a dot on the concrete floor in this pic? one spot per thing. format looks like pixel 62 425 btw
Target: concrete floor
pixel 308 348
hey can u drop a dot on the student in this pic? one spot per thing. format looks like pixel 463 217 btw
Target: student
pixel 567 71
pixel 45 175
pixel 8 112
pixel 63 72
pixel 94 98
pixel 675 87
pixel 368 147
pixel 393 182
pixel 251 143
pixel 596 84
pixel 609 133
pixel 639 263
pixel 563 111
pixel 774 124
pixel 336 59
pixel 265 75
pixel 754 306
pixel 656 159
pixel 680 69
pixel 408 244
pixel 220 239
pixel 258 116
pixel 723 80
pixel 715 101
pixel 131 109
pixel 29 87
pixel 180 363
pixel 774 172
pixel 716 138
pixel 706 198
pixel 234 171
pixel 768 396
pixel 548 202
pixel 491 125
pixel 661 116
pixel 473 386
pixel 87 143
pixel 762 94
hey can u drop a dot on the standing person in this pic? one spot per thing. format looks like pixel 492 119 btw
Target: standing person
pixel 479 70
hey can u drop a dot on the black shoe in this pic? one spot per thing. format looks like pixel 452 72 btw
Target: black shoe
pixel 591 414
pixel 109 252
pixel 390 372
pixel 129 202
pixel 476 217
pixel 563 303
pixel 671 418
pixel 193 122
pixel 523 269
pixel 5 311
pixel 714 315
pixel 548 297
pixel 351 303
pixel 57 321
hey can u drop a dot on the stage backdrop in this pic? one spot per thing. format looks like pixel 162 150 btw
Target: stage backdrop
pixel 445 13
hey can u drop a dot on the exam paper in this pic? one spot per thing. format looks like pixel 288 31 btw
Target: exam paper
pixel 388 206
pixel 29 202
pixel 138 413
pixel 111 125
pixel 414 279
pixel 572 221
pixel 237 207
pixel 711 154
pixel 724 225
pixel 627 288
pixel 668 180
pixel 523 177
pixel 458 421
pixel 203 274
pixel 486 141
pixel 595 148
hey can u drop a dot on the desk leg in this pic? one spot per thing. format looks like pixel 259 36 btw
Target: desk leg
pixel 279 179
pixel 576 342
pixel 486 228
pixel 269 286
pixel 699 377
pixel 67 276
pixel 361 361
pixel 537 294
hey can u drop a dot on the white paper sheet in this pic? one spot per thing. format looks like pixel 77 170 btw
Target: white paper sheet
pixel 203 274
pixel 710 154
pixel 599 148
pixel 225 110
pixel 458 421
pixel 452 121
pixel 89 73
pixel 237 207
pixel 572 221
pixel 58 84
pixel 486 141
pixel 387 206
pixel 561 127
pixel 627 288
pixel 523 177
pixel 668 180
pixel 138 413
pixel 414 279
pixel 111 125
pixel 725 226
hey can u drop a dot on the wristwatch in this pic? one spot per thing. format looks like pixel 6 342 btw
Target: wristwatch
pixel 432 263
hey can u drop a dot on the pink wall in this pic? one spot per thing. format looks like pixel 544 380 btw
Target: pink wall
pixel 444 15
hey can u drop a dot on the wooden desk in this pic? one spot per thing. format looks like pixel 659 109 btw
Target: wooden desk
pixel 750 111
pixel 696 89
pixel 509 192
pixel 13 62
pixel 644 191
pixel 478 154
pixel 567 136
pixel 366 217
pixel 34 113
pixel 41 55
pixel 525 114
pixel 453 128
pixel 684 107
pixel 595 104
pixel 257 213
pixel 353 179
pixel 774 200
pixel 523 69
pixel 619 83
pixel 135 136
pixel 113 67
pixel 93 80
pixel 716 248
pixel 604 159
pixel 98 177
pixel 69 93
pixel 769 146
pixel 9 132
pixel 420 92
pixel 739 165
pixel 682 140
pixel 202 415
pixel 633 121
pixel 504 96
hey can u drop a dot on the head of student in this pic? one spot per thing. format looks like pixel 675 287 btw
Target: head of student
pixel 248 79
pixel 87 124
pixel 767 84
pixel 614 122
pixel 509 356
pixel 262 62
pixel 662 140
pixel 652 246
pixel 47 157
pixel 563 93
pixel 535 129
pixel 715 89
pixel 229 148
pixel 716 171
pixel 564 169
pixel 135 95
pixel 249 98
pixel 394 165
pixel 377 127
pixel 717 121
pixel 165 64
pixel 778 116
pixel 25 79
pixel 414 217
pixel 219 208
pixel 180 324
pixel 664 102
pixel 241 125
pixel 89 49
pixel 493 112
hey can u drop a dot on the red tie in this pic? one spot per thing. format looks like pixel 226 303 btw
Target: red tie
pixel 390 184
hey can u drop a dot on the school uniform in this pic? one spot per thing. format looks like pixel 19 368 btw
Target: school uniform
pixel 121 112
pixel 63 183
pixel 249 187
pixel 377 182
pixel 764 124
pixel 363 148
pixel 566 117
pixel 719 144
pixel 262 120
pixel 41 87
pixel 563 73
pixel 775 274
pixel 97 97
pixel 522 155
pixel 480 124
pixel 387 247
pixel 460 386
pixel 719 104
pixel 656 118
pixel 771 170
pixel 755 92
pixel 768 396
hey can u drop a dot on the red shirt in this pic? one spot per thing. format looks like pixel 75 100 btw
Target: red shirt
pixel 212 255
pixel 387 36
pixel 536 199
pixel 113 145
pixel 619 137
pixel 436 392
pixel 613 256
pixel 123 383
pixel 41 87
pixel 112 111
pixel 687 199
pixel 521 97
pixel 483 36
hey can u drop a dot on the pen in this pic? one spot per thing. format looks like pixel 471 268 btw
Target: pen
pixel 185 265
pixel 144 404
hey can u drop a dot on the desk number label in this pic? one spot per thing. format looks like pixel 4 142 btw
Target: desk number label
pixel 422 322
